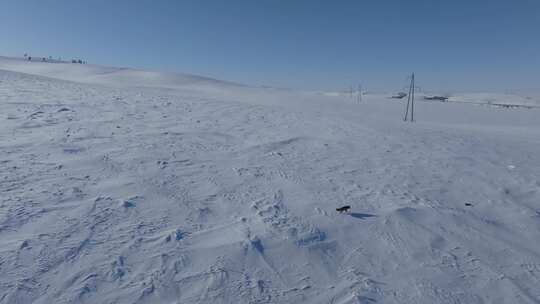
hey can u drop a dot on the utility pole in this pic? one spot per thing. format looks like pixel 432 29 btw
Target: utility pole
pixel 410 101
pixel 359 96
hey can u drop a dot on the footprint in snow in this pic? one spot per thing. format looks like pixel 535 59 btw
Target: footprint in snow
pixel 129 202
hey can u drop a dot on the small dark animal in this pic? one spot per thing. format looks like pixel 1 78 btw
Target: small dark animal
pixel 343 209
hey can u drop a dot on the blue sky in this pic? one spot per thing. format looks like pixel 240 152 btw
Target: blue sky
pixel 451 45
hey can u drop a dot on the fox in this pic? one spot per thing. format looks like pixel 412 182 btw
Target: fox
pixel 343 209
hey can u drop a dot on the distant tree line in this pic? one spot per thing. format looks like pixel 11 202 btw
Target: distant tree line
pixel 50 59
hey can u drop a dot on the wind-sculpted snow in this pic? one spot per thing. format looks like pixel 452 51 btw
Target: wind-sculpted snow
pixel 113 193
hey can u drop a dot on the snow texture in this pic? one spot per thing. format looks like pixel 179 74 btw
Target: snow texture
pixel 127 186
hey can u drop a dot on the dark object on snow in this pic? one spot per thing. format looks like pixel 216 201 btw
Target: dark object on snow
pixel 468 204
pixel 399 95
pixel 441 98
pixel 343 209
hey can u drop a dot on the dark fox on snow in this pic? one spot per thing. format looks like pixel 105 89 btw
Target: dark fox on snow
pixel 343 209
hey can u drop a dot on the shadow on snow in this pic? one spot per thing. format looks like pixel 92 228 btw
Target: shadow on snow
pixel 361 215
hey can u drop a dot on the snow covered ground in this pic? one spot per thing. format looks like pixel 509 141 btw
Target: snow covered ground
pixel 126 186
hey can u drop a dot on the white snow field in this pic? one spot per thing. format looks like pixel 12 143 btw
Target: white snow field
pixel 126 186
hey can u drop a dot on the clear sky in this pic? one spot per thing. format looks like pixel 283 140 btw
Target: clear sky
pixel 315 44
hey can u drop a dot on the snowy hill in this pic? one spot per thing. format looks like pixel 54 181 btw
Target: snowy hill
pixel 124 186
pixel 104 75
pixel 527 100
